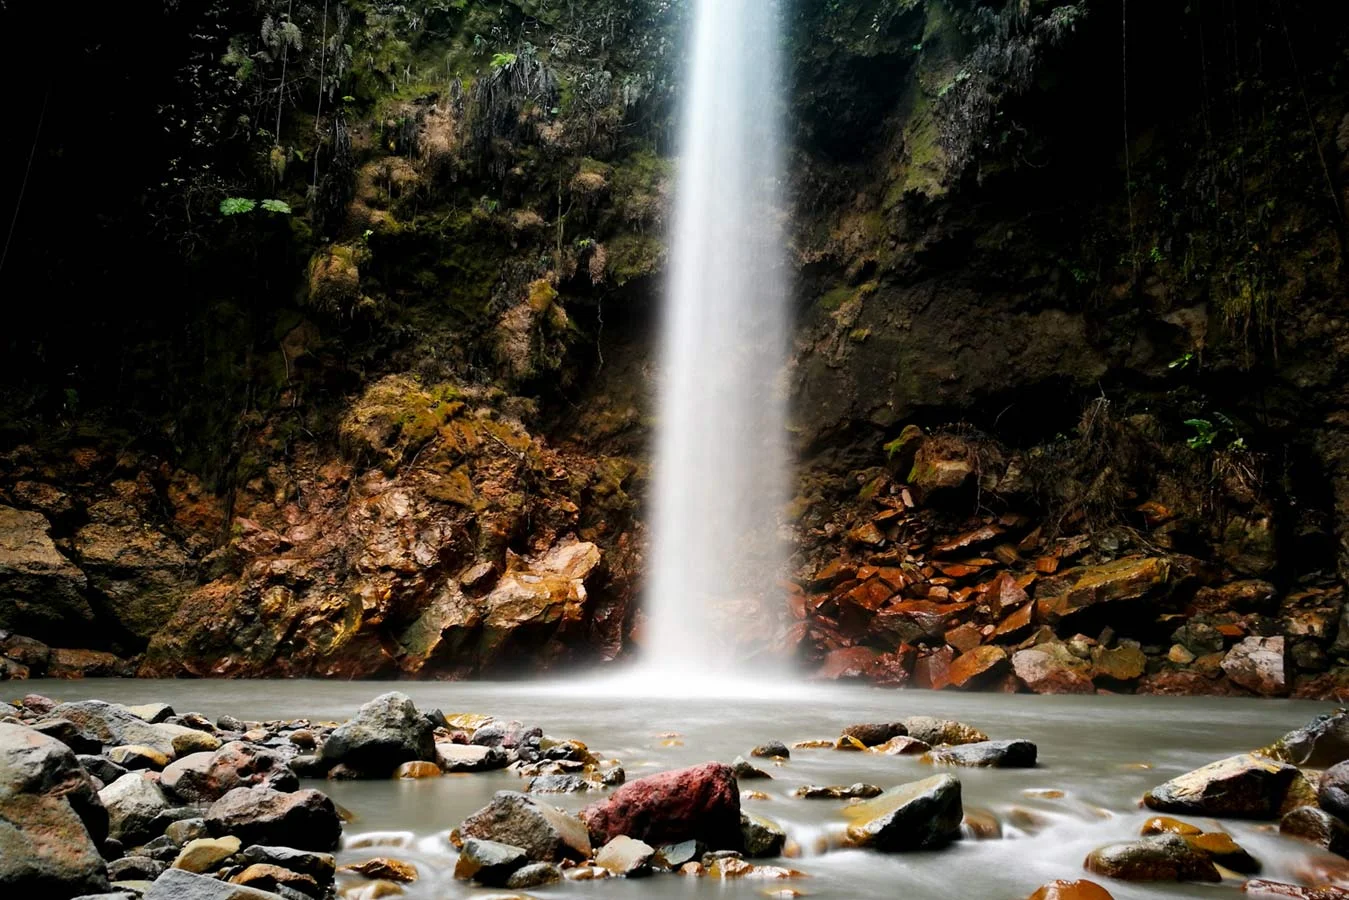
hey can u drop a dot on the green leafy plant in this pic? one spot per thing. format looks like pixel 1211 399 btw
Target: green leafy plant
pixel 233 206
pixel 1205 433
pixel 502 60
pixel 277 206
pixel 1183 361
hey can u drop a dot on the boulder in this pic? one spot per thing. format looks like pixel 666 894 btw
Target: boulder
pixel 1219 847
pixel 744 770
pixel 1016 754
pixel 386 868
pixel 384 733
pixel 942 465
pixel 135 868
pixel 626 856
pixel 1071 890
pixel 1257 664
pixel 318 866
pixel 133 757
pixel 41 592
pixel 868 734
pixel 1243 786
pixel 470 757
pixel 154 713
pixel 1333 790
pixel 177 884
pixel 942 731
pixel 901 746
pixel 922 815
pixel 45 850
pixel 762 836
pixel 100 767
pixel 488 862
pixel 267 877
pixel 417 768
pixel 1259 887
pixel 772 749
pixel 545 833
pixel 534 875
pixel 33 763
pixel 79 663
pixel 698 803
pixel 136 807
pixel 1316 826
pixel 114 726
pixel 1051 669
pixel 1126 662
pixel 1162 857
pixel 1123 580
pixel 305 819
pixel 204 854
pixel 206 777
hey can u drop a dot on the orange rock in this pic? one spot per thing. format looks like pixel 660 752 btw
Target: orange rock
pixel 968 540
pixel 848 662
pixel 1168 825
pixel 1047 565
pixel 417 769
pixel 870 595
pixel 956 570
pixel 866 533
pixel 979 661
pixel 930 671
pixel 1012 627
pixel 965 638
pixel 1071 890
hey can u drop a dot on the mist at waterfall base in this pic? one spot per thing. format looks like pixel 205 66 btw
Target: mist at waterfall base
pixel 719 467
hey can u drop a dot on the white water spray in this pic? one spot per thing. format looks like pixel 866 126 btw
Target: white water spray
pixel 719 467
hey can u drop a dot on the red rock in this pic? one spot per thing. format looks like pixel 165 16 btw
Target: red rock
pixel 892 669
pixel 1004 595
pixel 930 670
pixel 1184 684
pixel 870 595
pixel 867 534
pixel 979 661
pixel 968 540
pixel 699 803
pixel 965 638
pixel 846 662
pixel 957 570
pixel 829 574
pixel 1015 625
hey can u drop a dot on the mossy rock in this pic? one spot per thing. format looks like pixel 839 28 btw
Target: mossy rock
pixel 395 418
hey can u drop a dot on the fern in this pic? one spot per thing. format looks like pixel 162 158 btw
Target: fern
pixel 233 206
pixel 276 206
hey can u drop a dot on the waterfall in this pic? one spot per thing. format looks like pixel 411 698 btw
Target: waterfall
pixel 719 469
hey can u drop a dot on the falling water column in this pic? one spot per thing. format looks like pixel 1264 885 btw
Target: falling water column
pixel 719 468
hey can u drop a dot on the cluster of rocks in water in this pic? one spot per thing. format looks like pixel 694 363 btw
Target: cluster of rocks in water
pixel 99 800
pixel 905 590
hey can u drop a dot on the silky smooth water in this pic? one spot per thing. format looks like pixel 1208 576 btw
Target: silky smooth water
pixel 1091 748
pixel 719 464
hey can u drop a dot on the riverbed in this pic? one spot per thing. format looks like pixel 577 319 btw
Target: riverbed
pixel 1100 752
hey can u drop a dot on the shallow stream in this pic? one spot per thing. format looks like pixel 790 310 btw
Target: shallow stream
pixel 1101 752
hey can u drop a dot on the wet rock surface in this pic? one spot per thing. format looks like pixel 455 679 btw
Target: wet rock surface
pixel 1244 786
pixel 1165 857
pixel 699 803
pixel 919 816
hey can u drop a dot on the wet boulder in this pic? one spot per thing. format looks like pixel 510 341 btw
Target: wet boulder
pixel 275 879
pixel 386 868
pixel 135 868
pixel 1316 826
pixel 206 777
pixel 627 857
pixel 489 863
pixel 922 815
pixel 1223 850
pixel 33 763
pixel 771 749
pixel 305 819
pixel 762 836
pixel 872 733
pixel 697 803
pixel 318 866
pixel 942 731
pixel 1259 887
pixel 1333 790
pixel 1071 890
pixel 746 771
pixel 534 875
pixel 1257 664
pixel 1242 786
pixel 545 833
pixel 45 850
pixel 384 733
pixel 1319 744
pixel 1016 754
pixel 137 809
pixel 1163 857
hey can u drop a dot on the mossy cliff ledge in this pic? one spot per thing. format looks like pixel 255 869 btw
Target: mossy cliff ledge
pixel 1068 374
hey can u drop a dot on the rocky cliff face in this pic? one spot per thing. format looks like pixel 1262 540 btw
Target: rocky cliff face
pixel 1068 373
